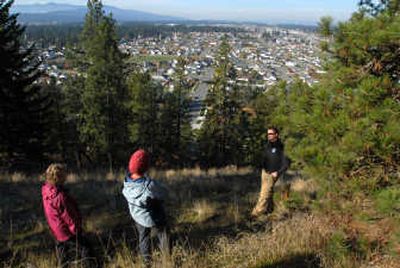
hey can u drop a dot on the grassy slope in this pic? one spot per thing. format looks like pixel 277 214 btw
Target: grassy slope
pixel 210 223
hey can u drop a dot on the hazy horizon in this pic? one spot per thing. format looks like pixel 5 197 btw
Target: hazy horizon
pixel 300 11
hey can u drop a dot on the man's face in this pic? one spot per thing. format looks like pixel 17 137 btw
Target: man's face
pixel 272 135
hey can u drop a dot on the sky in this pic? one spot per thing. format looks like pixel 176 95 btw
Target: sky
pixel 241 10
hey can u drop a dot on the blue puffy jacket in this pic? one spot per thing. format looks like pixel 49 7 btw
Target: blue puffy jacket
pixel 145 198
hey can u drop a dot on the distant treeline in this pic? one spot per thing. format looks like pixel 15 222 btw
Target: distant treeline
pixel 304 28
pixel 64 34
pixel 60 35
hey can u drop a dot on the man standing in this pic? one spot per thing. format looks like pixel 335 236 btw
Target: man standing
pixel 274 164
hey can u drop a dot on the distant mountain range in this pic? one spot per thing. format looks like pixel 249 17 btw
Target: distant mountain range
pixel 52 13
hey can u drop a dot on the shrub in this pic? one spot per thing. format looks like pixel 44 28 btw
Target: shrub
pixel 387 201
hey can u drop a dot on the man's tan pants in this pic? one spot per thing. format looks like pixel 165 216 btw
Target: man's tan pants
pixel 265 202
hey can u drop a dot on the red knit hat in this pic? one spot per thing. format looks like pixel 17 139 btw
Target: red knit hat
pixel 139 162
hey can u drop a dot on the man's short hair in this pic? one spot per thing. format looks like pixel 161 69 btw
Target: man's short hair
pixel 275 129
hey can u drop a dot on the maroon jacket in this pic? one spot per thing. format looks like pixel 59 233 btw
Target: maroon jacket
pixel 61 212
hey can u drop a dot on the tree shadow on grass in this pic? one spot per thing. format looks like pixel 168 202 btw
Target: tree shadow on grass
pixel 102 204
pixel 296 261
pixel 198 236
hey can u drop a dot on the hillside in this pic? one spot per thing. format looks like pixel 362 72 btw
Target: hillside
pixel 208 230
pixel 64 13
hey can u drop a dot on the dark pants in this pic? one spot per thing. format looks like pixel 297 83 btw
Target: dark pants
pixel 75 250
pixel 145 245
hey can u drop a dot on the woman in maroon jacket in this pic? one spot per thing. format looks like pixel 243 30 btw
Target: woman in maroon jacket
pixel 63 217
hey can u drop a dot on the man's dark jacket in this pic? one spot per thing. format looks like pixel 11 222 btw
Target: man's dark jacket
pixel 274 159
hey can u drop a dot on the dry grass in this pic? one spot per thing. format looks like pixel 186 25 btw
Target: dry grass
pixel 298 236
pixel 210 223
pixel 203 210
pixel 41 261
pixel 297 241
pixel 234 212
pixel 304 186
pixel 197 173
pixel 14 177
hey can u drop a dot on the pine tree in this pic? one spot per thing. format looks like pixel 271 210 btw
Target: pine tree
pixel 263 107
pixel 144 96
pixel 104 124
pixel 325 26
pixel 23 105
pixel 183 127
pixel 74 151
pixel 175 120
pixel 346 127
pixel 55 138
pixel 220 136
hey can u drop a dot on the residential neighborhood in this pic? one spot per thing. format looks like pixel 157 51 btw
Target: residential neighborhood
pixel 261 57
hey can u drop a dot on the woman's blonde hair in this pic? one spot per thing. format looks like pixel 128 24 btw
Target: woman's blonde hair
pixel 55 173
